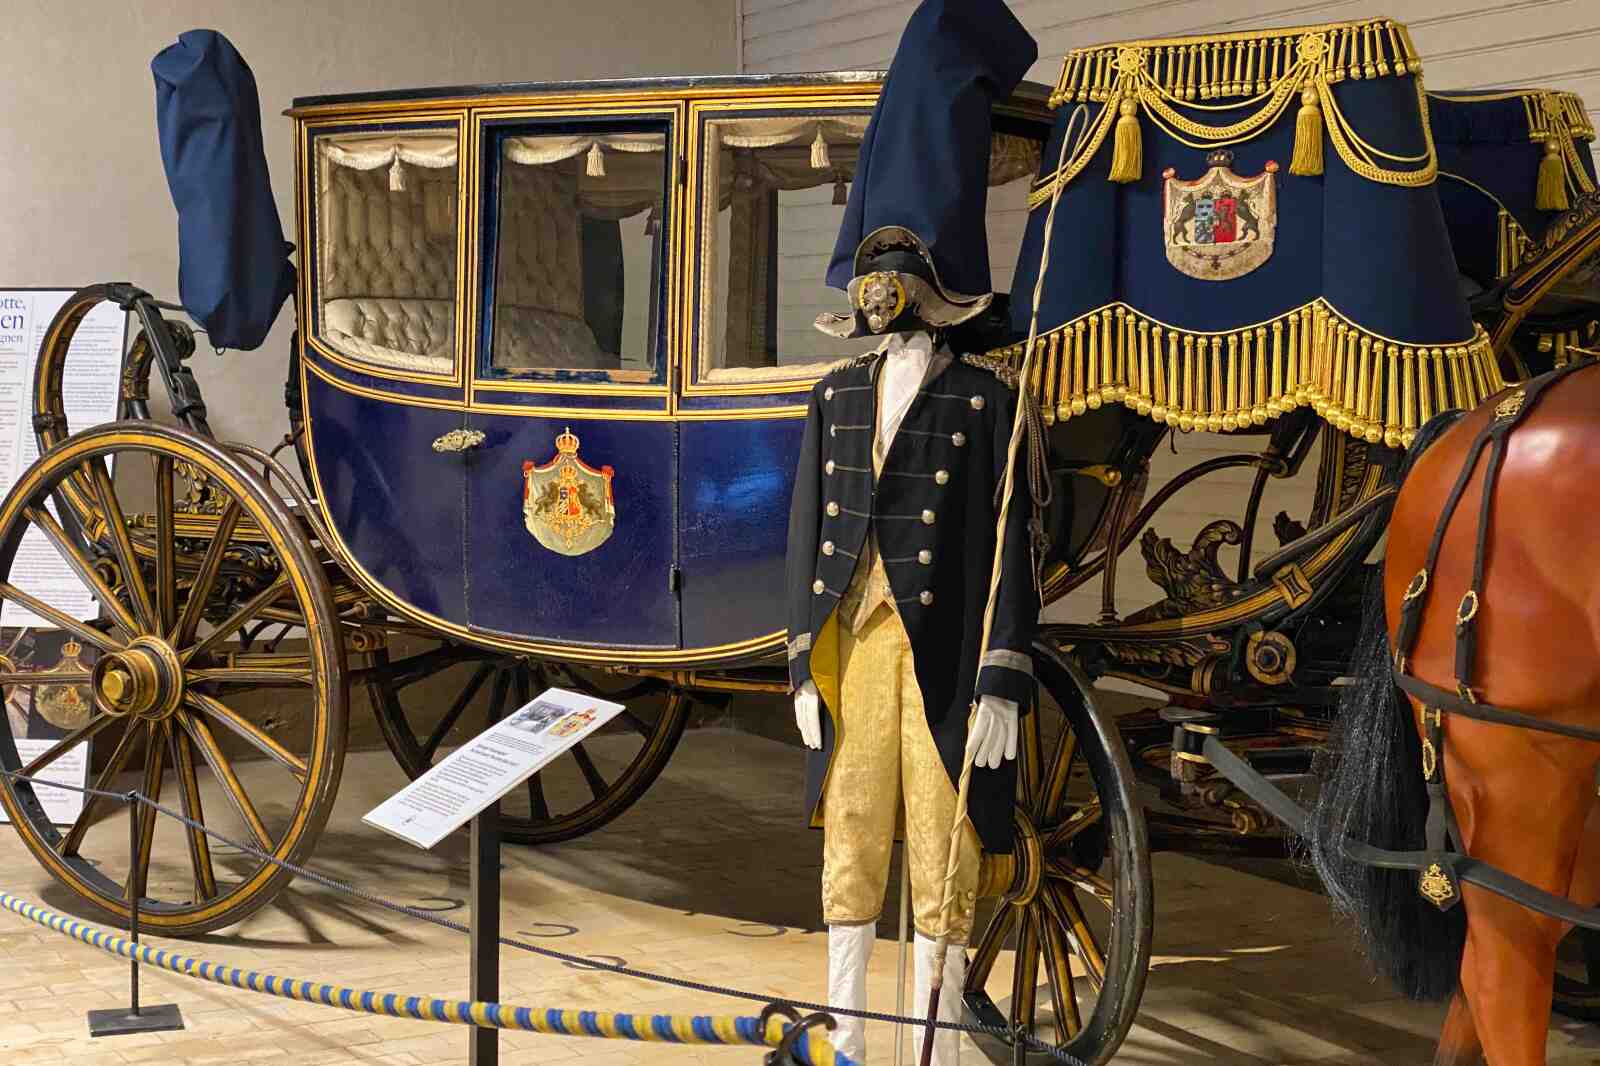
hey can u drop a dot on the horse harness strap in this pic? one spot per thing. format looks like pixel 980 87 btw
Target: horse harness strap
pixel 1438 882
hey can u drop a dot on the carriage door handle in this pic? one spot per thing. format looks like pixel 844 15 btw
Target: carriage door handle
pixel 458 440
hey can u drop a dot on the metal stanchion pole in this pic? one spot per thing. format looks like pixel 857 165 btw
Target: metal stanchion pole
pixel 483 1048
pixel 162 1017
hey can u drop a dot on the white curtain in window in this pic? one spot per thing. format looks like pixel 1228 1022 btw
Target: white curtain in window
pixel 434 151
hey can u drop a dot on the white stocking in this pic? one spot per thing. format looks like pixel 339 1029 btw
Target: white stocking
pixel 946 1043
pixel 849 948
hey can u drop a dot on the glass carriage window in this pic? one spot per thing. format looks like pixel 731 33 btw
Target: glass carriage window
pixel 386 248
pixel 780 186
pixel 577 260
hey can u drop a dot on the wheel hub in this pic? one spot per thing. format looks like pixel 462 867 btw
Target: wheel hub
pixel 1016 876
pixel 143 680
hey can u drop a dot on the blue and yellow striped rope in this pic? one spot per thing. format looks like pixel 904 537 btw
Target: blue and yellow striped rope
pixel 815 1050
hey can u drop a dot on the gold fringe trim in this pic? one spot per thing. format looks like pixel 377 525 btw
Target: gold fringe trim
pixel 1512 243
pixel 1239 64
pixel 1362 383
pixel 1269 69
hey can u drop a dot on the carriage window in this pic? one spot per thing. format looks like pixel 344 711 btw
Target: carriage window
pixel 386 248
pixel 578 253
pixel 780 190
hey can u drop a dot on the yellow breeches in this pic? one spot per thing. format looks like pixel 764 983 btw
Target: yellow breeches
pixel 885 761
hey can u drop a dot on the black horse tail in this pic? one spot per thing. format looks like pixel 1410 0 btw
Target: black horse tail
pixel 1371 790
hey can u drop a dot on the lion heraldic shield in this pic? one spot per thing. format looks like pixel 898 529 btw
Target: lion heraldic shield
pixel 566 503
pixel 1220 226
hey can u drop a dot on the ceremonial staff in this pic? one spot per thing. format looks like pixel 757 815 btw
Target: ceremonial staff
pixel 1019 427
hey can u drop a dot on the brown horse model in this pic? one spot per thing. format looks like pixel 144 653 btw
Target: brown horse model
pixel 1524 799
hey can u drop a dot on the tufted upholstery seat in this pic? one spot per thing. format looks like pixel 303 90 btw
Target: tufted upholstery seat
pixel 387 266
pixel 409 334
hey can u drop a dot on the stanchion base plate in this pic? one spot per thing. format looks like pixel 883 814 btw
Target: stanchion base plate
pixel 120 1021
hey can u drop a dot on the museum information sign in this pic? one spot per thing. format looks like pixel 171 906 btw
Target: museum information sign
pixel 489 765
pixel 89 389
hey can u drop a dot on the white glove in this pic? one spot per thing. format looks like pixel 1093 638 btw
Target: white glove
pixel 993 736
pixel 808 715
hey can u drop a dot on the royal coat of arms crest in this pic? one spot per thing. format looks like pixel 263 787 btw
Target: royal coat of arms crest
pixel 1220 226
pixel 567 504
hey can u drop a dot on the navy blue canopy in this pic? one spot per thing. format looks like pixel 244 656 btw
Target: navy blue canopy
pixel 1491 146
pixel 1249 222
pixel 234 271
pixel 924 161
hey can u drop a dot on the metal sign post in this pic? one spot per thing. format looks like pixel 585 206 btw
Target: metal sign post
pixel 162 1017
pixel 483 1047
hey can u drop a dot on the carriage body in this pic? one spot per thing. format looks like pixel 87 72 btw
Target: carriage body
pixel 555 343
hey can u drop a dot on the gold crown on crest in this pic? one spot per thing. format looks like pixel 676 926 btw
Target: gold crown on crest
pixel 567 442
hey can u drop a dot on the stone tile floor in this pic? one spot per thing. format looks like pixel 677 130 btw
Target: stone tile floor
pixel 711 876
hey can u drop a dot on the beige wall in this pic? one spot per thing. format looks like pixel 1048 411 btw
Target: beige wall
pixel 80 172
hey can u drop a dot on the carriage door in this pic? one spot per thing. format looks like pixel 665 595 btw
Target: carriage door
pixel 571 493
pixel 769 190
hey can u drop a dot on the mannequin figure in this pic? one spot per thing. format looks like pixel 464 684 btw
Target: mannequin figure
pixel 892 528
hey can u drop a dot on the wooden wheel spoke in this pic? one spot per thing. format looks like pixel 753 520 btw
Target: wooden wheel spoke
pixel 1032 759
pixel 181 748
pixel 591 773
pixel 166 592
pixel 45 678
pixel 536 801
pixel 67 743
pixel 247 730
pixel 1063 994
pixel 246 675
pixel 115 609
pixel 453 715
pixel 1025 980
pixel 155 750
pixel 87 634
pixel 1086 880
pixel 989 945
pixel 1066 911
pixel 236 621
pixel 638 725
pixel 524 687
pixel 222 769
pixel 206 577
pixel 114 764
pixel 1090 814
pixel 1059 775
pixel 121 544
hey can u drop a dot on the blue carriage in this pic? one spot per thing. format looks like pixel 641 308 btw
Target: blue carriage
pixel 554 344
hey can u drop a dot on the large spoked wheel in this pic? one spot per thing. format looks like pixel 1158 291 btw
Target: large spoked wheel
pixel 1077 911
pixel 185 552
pixel 579 792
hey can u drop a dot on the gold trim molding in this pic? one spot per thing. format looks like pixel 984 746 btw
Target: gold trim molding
pixel 1371 386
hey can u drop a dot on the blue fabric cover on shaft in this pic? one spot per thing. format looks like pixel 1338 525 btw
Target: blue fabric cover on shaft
pixel 234 271
pixel 924 161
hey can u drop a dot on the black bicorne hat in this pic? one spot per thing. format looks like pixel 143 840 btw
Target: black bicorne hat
pixel 913 249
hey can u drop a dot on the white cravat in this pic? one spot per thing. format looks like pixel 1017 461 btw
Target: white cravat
pixel 908 356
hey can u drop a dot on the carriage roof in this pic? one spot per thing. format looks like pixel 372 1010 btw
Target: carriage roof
pixel 689 85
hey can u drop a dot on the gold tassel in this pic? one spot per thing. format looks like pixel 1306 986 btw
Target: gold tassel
pixel 397 175
pixel 597 162
pixel 819 151
pixel 1127 155
pixel 1551 192
pixel 1307 159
